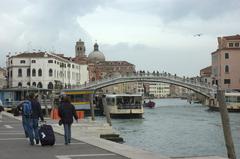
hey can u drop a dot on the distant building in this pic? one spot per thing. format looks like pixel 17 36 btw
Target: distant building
pixel 159 90
pixel 3 80
pixel 225 63
pixel 99 68
pixel 44 70
pixel 206 75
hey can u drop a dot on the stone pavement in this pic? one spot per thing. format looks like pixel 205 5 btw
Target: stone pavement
pixel 14 145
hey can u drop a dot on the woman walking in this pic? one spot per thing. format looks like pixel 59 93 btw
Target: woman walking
pixel 66 112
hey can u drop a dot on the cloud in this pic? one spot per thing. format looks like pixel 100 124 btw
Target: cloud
pixel 176 59
pixel 43 24
pixel 172 10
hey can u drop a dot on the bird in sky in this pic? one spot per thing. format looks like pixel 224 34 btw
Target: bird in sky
pixel 200 34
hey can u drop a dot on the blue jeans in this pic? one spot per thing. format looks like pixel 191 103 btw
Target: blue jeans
pixel 24 124
pixel 67 133
pixel 32 129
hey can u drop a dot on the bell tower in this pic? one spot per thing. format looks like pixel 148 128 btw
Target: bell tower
pixel 79 49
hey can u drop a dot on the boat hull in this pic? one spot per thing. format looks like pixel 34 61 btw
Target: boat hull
pixel 214 108
pixel 126 116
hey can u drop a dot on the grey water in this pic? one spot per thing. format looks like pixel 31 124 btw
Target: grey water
pixel 175 128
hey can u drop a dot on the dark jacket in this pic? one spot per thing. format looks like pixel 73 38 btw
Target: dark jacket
pixel 67 111
pixel 36 110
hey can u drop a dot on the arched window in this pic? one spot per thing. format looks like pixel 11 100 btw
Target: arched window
pixel 50 72
pixel 226 69
pixel 34 84
pixel 19 72
pixel 39 85
pixel 40 72
pixel 33 72
pixel 19 84
pixel 28 83
pixel 28 72
pixel 50 85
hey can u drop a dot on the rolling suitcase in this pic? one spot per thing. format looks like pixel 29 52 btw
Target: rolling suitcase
pixel 46 135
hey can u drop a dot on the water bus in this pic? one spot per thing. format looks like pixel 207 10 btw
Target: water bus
pixel 125 105
pixel 232 100
pixel 80 99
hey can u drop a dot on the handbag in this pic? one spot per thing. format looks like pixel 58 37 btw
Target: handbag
pixel 60 122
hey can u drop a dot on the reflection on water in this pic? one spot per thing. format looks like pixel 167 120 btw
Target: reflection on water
pixel 177 128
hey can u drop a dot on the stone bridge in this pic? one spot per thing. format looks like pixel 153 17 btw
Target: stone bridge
pixel 192 84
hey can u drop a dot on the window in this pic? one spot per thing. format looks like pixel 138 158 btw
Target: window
pixel 19 84
pixel 50 85
pixel 22 61
pixel 40 72
pixel 226 69
pixel 19 72
pixel 236 44
pixel 50 72
pixel 33 73
pixel 227 81
pixel 34 84
pixel 33 61
pixel 39 85
pixel 50 61
pixel 28 72
pixel 226 55
pixel 28 83
pixel 230 44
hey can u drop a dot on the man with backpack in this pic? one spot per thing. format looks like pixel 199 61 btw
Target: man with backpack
pixel 32 112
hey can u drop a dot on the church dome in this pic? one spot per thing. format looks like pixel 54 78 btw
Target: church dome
pixel 96 55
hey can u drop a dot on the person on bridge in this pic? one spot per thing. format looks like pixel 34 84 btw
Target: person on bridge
pixel 66 112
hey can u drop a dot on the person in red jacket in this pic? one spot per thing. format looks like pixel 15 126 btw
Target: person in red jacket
pixel 66 112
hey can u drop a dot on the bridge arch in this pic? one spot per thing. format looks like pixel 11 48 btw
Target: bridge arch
pixel 195 86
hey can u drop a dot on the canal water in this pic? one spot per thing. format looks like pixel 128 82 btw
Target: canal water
pixel 176 128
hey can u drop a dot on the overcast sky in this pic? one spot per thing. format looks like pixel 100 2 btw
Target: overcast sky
pixel 152 34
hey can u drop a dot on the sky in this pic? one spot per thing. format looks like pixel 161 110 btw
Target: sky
pixel 151 34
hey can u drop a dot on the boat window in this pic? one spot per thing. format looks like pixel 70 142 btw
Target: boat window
pixel 232 99
pixel 80 98
pixel 110 101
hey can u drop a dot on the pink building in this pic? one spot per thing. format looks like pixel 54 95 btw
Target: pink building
pixel 226 63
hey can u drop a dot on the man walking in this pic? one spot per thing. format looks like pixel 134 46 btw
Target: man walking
pixel 32 111
pixel 1 109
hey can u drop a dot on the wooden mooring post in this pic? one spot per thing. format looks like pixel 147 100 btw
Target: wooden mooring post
pixel 226 125
pixel 106 111
pixel 92 108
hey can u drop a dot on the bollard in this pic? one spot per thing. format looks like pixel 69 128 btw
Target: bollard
pixel 106 111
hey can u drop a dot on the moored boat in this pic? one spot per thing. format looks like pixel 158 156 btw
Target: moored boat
pixel 149 104
pixel 125 105
pixel 232 101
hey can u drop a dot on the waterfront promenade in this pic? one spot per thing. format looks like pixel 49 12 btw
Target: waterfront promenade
pixel 86 144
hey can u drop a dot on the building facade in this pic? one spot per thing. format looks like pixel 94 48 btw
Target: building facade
pixel 44 70
pixel 206 75
pixel 159 90
pixel 3 80
pixel 225 63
